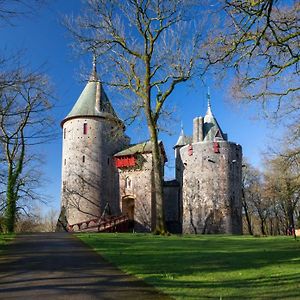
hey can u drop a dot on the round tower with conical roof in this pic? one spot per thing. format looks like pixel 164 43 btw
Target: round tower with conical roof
pixel 92 133
pixel 211 179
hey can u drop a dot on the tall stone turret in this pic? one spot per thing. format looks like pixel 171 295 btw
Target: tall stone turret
pixel 92 133
pixel 211 184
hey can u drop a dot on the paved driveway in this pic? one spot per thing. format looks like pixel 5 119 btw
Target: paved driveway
pixel 58 266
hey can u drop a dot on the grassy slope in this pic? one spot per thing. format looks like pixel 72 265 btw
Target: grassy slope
pixel 199 267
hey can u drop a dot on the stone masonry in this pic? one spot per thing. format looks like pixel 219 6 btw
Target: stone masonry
pixel 103 174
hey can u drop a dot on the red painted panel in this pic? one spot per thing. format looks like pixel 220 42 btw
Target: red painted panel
pixel 190 150
pixel 216 147
pixel 125 161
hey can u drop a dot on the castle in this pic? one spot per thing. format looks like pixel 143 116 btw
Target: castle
pixel 102 174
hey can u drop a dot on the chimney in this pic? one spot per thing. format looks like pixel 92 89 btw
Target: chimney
pixel 200 129
pixel 196 130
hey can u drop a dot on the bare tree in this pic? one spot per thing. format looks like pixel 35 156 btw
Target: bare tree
pixel 24 122
pixel 264 34
pixel 50 221
pixel 283 184
pixel 12 9
pixel 257 207
pixel 260 42
pixel 251 178
pixel 146 48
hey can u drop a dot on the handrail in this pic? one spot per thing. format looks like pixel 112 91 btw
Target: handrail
pixel 101 224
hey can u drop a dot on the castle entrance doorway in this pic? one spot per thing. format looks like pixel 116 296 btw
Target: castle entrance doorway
pixel 128 209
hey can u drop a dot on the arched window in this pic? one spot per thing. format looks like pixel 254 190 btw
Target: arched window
pixel 128 183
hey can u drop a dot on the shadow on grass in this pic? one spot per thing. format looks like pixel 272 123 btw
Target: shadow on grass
pixel 208 266
pixel 259 288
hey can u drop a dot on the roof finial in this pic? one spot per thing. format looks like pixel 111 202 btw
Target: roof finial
pixel 208 98
pixel 181 126
pixel 94 76
pixel 208 101
pixel 182 138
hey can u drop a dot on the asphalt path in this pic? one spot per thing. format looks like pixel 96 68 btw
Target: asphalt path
pixel 59 266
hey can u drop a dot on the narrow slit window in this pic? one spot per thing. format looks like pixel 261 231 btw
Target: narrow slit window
pixel 65 133
pixel 65 161
pixel 85 128
pixel 83 158
pixel 128 183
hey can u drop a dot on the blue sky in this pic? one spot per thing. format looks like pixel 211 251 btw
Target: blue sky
pixel 47 42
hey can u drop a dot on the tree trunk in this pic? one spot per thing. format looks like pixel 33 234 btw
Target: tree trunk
pixel 12 183
pixel 160 227
pixel 246 213
pixel 290 215
pixel 10 211
pixel 262 227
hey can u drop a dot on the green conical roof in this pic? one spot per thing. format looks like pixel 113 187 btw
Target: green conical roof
pixel 93 101
pixel 88 104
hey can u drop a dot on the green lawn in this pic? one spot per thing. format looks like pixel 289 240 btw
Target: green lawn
pixel 4 239
pixel 207 266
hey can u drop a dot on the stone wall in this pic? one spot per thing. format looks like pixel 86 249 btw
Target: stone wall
pixel 136 183
pixel 87 167
pixel 211 188
pixel 172 206
pixel 204 198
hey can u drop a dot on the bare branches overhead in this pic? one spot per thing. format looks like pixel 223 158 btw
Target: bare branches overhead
pixel 129 35
pixel 145 48
pixel 261 41
pixel 12 9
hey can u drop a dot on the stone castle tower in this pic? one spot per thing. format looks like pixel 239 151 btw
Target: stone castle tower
pixel 102 174
pixel 92 133
pixel 209 172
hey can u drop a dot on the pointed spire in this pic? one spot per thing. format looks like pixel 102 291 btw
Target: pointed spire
pixel 181 139
pixel 208 102
pixel 93 100
pixel 212 129
pixel 181 126
pixel 94 76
